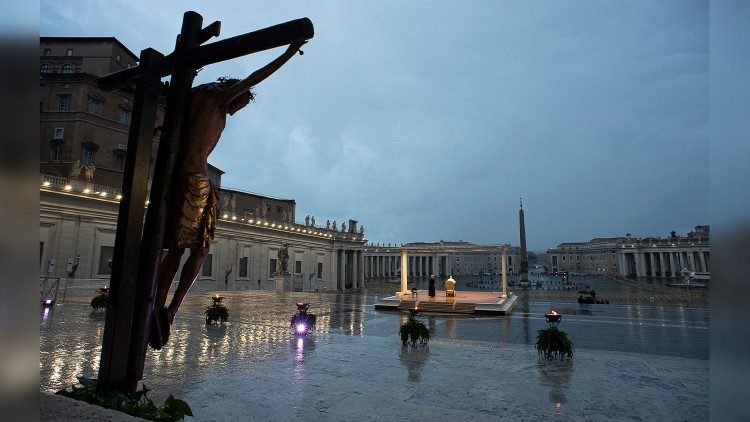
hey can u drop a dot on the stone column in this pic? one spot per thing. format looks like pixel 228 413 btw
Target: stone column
pixel 503 271
pixel 651 262
pixel 357 276
pixel 691 259
pixel 640 264
pixel 680 261
pixel 663 263
pixel 703 262
pixel 342 264
pixel 404 269
pixel 672 263
pixel 623 264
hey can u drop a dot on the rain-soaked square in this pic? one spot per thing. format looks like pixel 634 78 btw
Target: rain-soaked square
pixel 635 358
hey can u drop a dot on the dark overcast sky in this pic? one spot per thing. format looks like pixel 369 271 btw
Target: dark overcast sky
pixel 427 120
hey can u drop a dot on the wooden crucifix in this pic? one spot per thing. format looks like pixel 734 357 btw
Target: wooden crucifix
pixel 189 134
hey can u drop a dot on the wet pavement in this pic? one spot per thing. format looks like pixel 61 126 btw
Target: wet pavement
pixel 632 361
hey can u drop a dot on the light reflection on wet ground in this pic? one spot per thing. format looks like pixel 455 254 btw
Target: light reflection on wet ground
pixel 258 335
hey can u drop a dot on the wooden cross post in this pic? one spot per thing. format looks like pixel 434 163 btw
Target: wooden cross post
pixel 138 245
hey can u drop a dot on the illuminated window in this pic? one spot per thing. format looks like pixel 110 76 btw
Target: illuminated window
pixel 67 68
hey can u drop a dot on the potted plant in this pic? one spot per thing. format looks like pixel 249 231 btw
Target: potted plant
pixel 414 332
pixel 216 311
pixel 552 343
pixel 101 300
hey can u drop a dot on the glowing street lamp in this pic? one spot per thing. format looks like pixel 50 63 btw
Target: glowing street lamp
pixel 553 318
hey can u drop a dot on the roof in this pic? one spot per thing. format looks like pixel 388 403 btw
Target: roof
pixel 91 39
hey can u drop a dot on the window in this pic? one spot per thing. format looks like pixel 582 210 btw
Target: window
pixel 271 267
pixel 117 58
pixel 243 267
pixel 59 132
pixel 88 156
pixel 124 116
pixel 67 68
pixel 69 52
pixel 297 267
pixel 278 209
pixel 105 260
pixel 63 102
pixel 88 152
pixel 208 264
pixel 320 270
pixel 119 162
pixel 47 52
pixel 56 150
pixel 45 68
pixel 95 106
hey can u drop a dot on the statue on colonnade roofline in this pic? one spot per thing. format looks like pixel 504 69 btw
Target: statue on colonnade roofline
pixel 343 227
pixel 328 224
pixel 333 226
pixel 307 221
pixel 362 229
pixel 312 221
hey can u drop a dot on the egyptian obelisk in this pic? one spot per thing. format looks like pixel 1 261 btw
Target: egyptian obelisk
pixel 524 257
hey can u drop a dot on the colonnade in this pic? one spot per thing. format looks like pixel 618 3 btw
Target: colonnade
pixel 387 266
pixel 382 266
pixel 663 263
pixel 349 269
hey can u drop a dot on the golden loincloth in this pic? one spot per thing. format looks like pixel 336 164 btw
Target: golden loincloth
pixel 196 211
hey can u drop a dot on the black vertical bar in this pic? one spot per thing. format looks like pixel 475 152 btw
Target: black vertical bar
pixel 161 188
pixel 118 325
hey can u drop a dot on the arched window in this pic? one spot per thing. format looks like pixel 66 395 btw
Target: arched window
pixel 45 68
pixel 67 68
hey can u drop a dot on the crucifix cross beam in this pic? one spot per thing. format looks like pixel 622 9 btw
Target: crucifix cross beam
pixel 294 31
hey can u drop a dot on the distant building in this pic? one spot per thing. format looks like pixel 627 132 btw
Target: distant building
pixel 437 258
pixel 628 256
pixel 81 125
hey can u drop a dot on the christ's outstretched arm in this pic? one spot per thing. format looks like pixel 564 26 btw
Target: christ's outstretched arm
pixel 259 75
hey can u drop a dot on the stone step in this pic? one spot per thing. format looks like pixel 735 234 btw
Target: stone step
pixel 447 307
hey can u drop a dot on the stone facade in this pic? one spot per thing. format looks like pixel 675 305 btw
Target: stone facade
pixel 635 257
pixel 78 219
